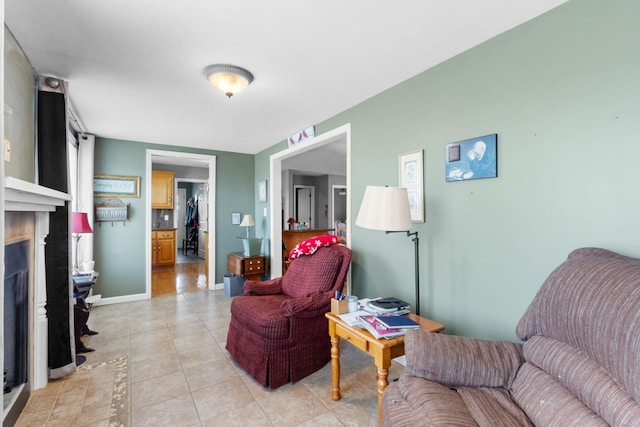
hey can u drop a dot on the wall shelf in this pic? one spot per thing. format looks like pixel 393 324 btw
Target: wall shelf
pixel 112 210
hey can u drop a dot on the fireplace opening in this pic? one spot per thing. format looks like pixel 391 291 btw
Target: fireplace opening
pixel 16 318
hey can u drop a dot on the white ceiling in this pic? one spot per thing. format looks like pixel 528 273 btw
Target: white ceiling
pixel 134 67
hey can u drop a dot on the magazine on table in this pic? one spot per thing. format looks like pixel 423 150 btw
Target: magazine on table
pixel 377 329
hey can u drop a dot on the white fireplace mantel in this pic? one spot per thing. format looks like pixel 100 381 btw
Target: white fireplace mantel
pixel 23 196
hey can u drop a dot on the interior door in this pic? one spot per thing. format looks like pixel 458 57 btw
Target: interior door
pixel 305 205
pixel 203 217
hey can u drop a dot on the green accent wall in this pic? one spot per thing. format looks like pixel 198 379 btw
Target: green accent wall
pixel 119 250
pixel 19 110
pixel 561 92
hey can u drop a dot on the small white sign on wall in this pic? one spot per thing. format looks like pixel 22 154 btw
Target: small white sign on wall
pixel 301 136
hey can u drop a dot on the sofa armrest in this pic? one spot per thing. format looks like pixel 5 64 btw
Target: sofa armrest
pixel 461 361
pixel 267 287
pixel 312 306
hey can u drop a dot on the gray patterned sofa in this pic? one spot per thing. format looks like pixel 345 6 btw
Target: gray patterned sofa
pixel 579 364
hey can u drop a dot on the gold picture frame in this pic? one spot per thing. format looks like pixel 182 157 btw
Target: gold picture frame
pixel 116 186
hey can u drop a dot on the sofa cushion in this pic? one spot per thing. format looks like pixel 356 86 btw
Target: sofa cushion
pixel 590 302
pixel 312 274
pixel 414 401
pixel 462 361
pixel 548 403
pixel 262 315
pixel 493 407
pixel 589 381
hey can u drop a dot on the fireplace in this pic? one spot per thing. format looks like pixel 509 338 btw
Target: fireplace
pixel 17 308
pixel 26 212
pixel 16 315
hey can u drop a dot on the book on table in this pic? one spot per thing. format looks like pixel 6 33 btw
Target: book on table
pixel 377 329
pixel 388 305
pixel 396 321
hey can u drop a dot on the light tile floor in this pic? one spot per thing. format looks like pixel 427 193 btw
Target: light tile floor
pixel 168 352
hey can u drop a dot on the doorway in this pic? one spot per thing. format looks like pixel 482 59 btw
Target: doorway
pixel 191 213
pixel 182 159
pixel 305 206
pixel 322 143
pixel 338 204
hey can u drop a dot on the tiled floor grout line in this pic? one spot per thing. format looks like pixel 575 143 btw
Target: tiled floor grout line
pixel 181 320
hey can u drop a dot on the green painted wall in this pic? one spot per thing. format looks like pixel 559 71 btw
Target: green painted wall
pixel 562 94
pixel 119 250
pixel 19 110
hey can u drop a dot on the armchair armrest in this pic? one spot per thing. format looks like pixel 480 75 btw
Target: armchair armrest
pixel 462 361
pixel 267 287
pixel 312 306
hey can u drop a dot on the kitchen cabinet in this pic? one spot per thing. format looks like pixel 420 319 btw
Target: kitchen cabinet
pixel 163 247
pixel 162 190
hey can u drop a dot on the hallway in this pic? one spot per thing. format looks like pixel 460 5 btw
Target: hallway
pixel 187 275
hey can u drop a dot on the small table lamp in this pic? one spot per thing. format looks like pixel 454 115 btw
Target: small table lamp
pixel 79 225
pixel 247 221
pixel 387 209
pixel 251 246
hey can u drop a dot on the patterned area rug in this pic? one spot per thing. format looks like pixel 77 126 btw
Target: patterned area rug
pixel 119 397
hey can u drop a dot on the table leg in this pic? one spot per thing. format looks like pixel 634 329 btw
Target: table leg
pixel 382 381
pixel 335 368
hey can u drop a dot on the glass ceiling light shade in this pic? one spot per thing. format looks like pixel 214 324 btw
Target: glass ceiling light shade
pixel 385 209
pixel 229 79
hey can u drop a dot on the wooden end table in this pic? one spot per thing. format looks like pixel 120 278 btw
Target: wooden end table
pixel 382 350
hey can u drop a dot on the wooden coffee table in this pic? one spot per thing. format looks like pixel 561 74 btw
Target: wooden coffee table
pixel 382 350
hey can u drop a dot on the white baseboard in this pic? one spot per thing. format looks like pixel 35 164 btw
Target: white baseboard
pixel 138 297
pixel 124 298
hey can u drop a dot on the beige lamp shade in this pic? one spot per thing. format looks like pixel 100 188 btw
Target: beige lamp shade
pixel 385 208
pixel 247 221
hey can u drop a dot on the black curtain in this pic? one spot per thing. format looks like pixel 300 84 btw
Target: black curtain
pixel 52 172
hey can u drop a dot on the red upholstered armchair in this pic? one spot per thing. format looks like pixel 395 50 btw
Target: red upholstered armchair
pixel 278 332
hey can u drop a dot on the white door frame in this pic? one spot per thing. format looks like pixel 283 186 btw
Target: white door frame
pixel 275 188
pixel 211 163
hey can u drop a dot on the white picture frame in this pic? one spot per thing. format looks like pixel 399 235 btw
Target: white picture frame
pixel 411 176
pixel 262 191
pixel 235 218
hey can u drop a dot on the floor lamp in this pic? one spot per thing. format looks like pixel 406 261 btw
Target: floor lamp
pixel 79 225
pixel 387 209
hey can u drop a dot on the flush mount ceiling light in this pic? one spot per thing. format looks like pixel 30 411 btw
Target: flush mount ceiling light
pixel 229 79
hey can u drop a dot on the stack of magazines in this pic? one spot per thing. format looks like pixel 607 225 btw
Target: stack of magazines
pixel 387 305
pixel 387 325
